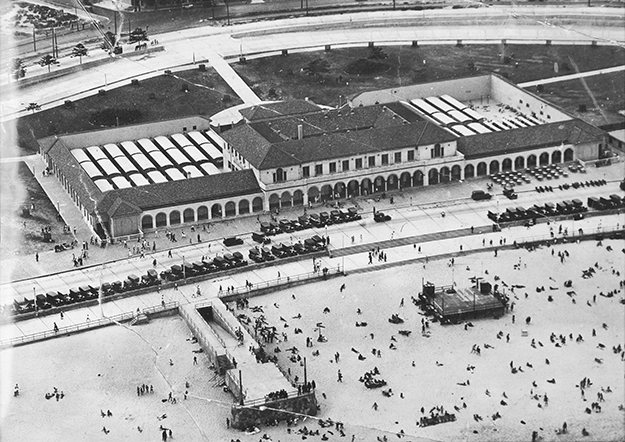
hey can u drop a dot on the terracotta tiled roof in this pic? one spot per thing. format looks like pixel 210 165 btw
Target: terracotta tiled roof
pixel 552 134
pixel 193 190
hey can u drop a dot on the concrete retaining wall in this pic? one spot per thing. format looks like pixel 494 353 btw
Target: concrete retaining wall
pixel 244 417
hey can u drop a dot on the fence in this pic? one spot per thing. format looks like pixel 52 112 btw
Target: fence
pixel 282 281
pixel 76 328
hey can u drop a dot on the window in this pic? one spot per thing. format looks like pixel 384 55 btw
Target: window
pixel 385 159
pixel 358 163
pixel 332 167
pixel 279 175
pixel 345 165
pixel 371 161
pixel 411 155
pixel 398 157
pixel 306 171
pixel 318 169
pixel 437 151
pixel 194 127
pixel 184 129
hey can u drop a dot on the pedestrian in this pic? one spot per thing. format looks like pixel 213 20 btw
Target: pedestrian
pixel 340 376
pixel 37 256
pixel 227 423
pixel 56 328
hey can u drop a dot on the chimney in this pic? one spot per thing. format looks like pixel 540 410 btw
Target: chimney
pixel 300 132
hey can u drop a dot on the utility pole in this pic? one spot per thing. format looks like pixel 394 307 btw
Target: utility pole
pixel 227 11
pixel 34 41
pixel 115 15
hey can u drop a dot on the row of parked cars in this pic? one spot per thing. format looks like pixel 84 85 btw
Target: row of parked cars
pixel 337 216
pixel 568 207
pixel 284 250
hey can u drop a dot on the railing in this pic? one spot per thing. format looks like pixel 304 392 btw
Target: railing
pixel 96 323
pixel 242 290
pixel 262 401
pixel 225 324
pixel 197 331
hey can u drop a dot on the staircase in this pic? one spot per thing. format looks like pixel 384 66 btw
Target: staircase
pixel 141 318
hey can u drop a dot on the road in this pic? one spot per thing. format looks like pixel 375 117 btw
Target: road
pixel 182 47
pixel 407 222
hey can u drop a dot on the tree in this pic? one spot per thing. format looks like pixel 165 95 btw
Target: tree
pixel 138 35
pixel 80 51
pixel 17 68
pixel 376 53
pixel 47 60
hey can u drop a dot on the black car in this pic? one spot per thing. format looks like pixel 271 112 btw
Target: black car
pixel 479 195
pixel 286 226
pixel 256 255
pixel 233 241
pixel 316 220
pixel 380 217
pixel 510 193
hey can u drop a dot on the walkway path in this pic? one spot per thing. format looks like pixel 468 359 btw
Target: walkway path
pixel 573 76
pixel 224 69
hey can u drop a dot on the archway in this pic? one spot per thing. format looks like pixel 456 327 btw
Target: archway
pixel 445 174
pixel 506 164
pixel 568 155
pixel 405 180
pixel 230 208
pixel 202 213
pixel 257 204
pixel 339 190
pixel 188 215
pixel 379 185
pixel 366 187
pixel 519 163
pixel 556 156
pixel 174 217
pixel 326 192
pixel 353 189
pixel 469 171
pixel 456 173
pixel 313 194
pixel 392 183
pixel 244 207
pixel 274 201
pixel 298 198
pixel 481 169
pixel 433 177
pixel 216 210
pixel 531 161
pixel 544 159
pixel 161 220
pixel 494 167
pixel 285 200
pixel 417 178
pixel 147 222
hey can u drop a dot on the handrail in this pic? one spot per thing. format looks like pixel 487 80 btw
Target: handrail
pixel 96 323
pixel 262 401
pixel 278 282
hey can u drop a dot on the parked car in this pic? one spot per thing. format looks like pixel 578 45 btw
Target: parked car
pixel 233 241
pixel 380 217
pixel 260 237
pixel 478 195
pixel 256 255
pixel 510 193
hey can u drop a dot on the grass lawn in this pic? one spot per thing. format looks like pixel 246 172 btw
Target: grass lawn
pixel 158 98
pixel 608 91
pixel 322 76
